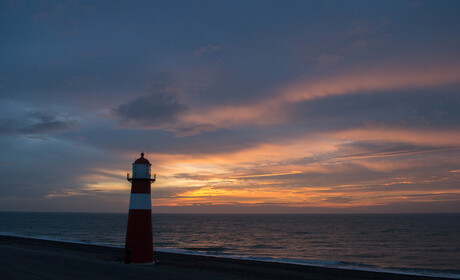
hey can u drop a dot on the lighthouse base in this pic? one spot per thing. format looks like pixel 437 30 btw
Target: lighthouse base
pixel 139 240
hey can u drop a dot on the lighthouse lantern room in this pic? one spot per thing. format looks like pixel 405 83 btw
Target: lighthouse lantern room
pixel 141 168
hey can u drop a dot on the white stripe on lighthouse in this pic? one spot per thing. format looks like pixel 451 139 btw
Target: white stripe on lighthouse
pixel 140 201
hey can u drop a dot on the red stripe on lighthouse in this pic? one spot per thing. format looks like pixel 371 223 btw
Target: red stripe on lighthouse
pixel 139 239
pixel 140 186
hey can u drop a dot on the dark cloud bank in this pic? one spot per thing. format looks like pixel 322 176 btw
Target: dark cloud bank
pixel 37 123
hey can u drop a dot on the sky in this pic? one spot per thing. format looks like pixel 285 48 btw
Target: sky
pixel 240 106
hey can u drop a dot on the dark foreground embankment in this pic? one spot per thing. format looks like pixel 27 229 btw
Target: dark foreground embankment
pixel 26 258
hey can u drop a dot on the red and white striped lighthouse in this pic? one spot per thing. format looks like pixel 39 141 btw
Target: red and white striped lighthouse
pixel 139 240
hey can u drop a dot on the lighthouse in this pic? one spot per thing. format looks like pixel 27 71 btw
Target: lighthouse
pixel 139 240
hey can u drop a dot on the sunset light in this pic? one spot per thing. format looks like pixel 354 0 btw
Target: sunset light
pixel 290 114
pixel 230 139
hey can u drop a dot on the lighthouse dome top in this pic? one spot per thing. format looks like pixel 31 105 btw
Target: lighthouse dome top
pixel 142 160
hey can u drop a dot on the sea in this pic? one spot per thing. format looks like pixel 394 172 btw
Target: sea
pixel 417 244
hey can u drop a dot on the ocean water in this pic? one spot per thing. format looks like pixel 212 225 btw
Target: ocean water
pixel 427 244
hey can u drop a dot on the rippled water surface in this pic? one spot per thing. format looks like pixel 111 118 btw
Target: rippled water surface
pixel 401 242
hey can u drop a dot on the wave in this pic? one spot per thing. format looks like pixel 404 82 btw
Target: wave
pixel 217 252
pixel 328 264
pixel 49 238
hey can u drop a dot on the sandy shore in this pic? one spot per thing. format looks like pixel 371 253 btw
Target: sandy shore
pixel 25 258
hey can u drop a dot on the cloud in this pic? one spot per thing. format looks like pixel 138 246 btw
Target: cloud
pixel 205 50
pixel 328 59
pixel 359 44
pixel 37 123
pixel 152 111
pixel 374 79
pixel 350 168
pixel 360 28
pixel 53 166
pixel 405 108
pixel 55 11
pixel 159 111
pixel 422 137
pixel 162 109
pixel 276 109
pixel 360 123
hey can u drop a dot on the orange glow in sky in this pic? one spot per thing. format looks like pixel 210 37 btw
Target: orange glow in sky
pixel 318 107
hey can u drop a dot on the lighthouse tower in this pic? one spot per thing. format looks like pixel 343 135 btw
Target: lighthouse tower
pixel 139 241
